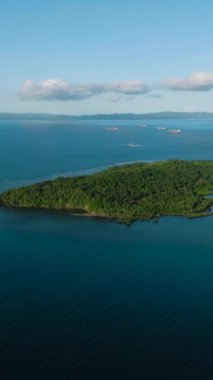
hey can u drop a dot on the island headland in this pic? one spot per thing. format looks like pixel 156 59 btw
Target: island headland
pixel 139 191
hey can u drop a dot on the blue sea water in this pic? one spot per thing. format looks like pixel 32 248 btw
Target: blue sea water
pixel 88 298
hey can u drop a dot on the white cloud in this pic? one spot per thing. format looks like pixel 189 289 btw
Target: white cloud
pixel 59 89
pixel 199 81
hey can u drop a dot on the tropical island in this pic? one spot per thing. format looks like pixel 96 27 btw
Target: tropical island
pixel 139 191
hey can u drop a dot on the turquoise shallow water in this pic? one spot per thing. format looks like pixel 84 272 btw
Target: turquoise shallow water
pixel 87 298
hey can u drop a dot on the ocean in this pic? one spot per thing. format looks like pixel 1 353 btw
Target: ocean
pixel 89 298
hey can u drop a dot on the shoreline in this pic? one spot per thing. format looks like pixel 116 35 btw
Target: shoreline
pixel 126 193
pixel 84 213
pixel 83 172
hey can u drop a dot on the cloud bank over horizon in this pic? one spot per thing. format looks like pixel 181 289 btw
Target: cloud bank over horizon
pixel 198 81
pixel 62 90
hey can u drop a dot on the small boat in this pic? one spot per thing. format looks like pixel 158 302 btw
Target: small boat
pixel 161 128
pixel 131 145
pixel 175 131
pixel 112 129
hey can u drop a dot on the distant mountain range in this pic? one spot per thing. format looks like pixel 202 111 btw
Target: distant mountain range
pixel 115 116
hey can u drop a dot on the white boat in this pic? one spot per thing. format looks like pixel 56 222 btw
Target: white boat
pixel 161 128
pixel 112 129
pixel 175 131
pixel 131 145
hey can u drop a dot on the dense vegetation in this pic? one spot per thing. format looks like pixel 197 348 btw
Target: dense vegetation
pixel 130 192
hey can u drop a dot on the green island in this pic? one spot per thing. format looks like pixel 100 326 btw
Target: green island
pixel 139 191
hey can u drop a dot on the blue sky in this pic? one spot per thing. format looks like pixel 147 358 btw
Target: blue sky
pixel 83 57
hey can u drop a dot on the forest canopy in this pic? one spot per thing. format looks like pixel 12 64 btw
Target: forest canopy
pixel 130 192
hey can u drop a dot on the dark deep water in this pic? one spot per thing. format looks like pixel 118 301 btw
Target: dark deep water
pixel 87 298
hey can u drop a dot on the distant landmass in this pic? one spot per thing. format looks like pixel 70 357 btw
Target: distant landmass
pixel 114 116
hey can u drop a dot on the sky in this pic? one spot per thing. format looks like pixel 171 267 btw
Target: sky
pixel 92 56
